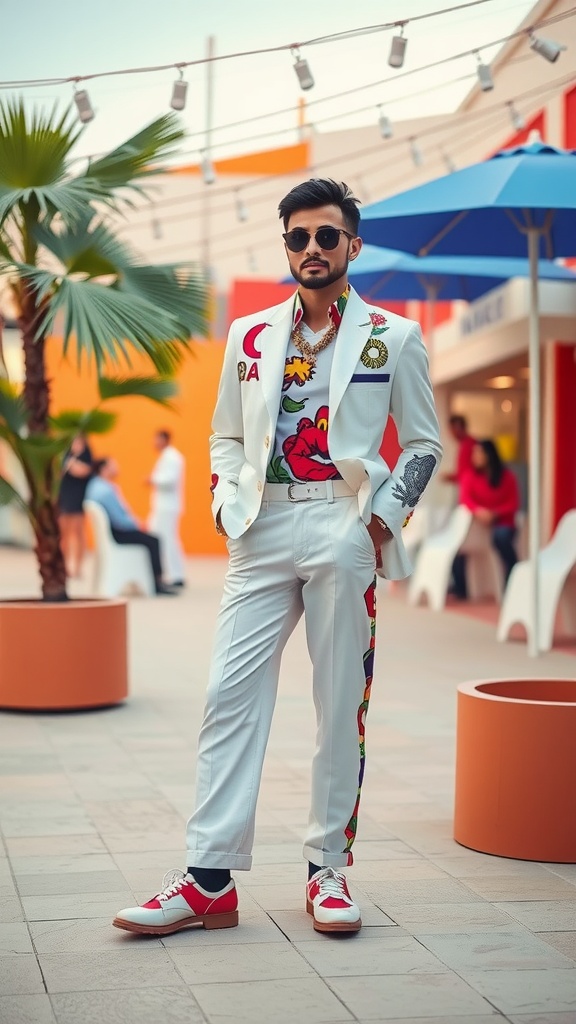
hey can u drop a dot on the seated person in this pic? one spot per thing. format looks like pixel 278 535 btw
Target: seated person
pixel 490 490
pixel 124 525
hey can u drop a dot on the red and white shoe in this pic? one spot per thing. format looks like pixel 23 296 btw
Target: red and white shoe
pixel 330 903
pixel 182 903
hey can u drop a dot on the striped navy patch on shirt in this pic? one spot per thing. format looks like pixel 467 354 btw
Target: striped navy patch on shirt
pixel 370 378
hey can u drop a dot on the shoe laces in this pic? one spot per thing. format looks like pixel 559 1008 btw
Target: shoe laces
pixel 171 884
pixel 332 883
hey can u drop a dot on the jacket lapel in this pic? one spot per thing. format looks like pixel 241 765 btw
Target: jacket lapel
pixel 354 332
pixel 274 346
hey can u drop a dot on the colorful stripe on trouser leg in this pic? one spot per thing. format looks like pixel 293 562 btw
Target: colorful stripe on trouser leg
pixel 370 600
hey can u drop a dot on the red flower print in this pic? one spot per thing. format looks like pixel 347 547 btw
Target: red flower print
pixel 306 451
pixel 377 320
pixel 214 482
pixel 370 599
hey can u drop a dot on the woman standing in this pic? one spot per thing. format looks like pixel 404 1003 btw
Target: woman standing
pixel 76 471
pixel 490 490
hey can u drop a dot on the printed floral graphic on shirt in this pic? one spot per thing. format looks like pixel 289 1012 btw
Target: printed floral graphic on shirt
pixel 304 454
pixel 306 451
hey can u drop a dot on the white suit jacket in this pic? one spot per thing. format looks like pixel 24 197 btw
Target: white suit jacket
pixel 167 481
pixel 361 399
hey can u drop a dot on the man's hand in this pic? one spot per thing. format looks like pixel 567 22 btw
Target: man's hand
pixel 219 528
pixel 378 533
pixel 484 515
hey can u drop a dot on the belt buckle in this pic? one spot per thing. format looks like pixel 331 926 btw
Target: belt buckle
pixel 291 496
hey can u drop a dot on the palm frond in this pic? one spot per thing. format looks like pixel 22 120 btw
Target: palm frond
pixel 85 246
pixel 135 158
pixel 34 146
pixel 10 496
pixel 181 288
pixel 154 388
pixel 12 408
pixel 78 421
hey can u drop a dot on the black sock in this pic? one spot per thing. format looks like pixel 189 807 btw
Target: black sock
pixel 312 869
pixel 211 879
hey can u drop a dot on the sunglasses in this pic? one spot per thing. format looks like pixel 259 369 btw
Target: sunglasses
pixel 326 238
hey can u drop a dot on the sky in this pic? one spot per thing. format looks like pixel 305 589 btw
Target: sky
pixel 69 39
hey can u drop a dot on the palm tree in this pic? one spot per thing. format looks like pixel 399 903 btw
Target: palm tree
pixel 70 274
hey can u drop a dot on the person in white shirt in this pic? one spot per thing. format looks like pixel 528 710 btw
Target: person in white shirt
pixel 167 484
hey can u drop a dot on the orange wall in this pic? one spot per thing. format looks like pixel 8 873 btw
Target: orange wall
pixel 131 440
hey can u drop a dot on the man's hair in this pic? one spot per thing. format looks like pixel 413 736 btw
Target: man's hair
pixel 98 465
pixel 165 435
pixel 321 192
pixel 456 420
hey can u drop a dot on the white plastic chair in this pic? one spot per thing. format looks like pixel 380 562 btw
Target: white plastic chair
pixel 117 565
pixel 433 567
pixel 557 587
pixel 462 535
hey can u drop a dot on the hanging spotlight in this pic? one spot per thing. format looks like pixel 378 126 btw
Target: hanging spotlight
pixel 252 262
pixel 302 69
pixel 241 208
pixel 547 48
pixel 207 168
pixel 416 153
pixel 398 47
pixel 83 105
pixel 484 75
pixel 518 122
pixel 449 163
pixel 385 124
pixel 179 90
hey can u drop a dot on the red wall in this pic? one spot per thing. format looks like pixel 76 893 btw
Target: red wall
pixel 570 119
pixel 564 445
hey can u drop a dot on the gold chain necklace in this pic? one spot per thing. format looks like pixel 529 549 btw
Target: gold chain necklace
pixel 308 351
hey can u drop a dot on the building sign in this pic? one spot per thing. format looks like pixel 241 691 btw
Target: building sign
pixel 483 313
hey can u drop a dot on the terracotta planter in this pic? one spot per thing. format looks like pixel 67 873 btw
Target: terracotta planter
pixel 515 768
pixel 62 656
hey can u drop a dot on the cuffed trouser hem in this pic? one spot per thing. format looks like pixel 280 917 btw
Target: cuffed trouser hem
pixel 327 860
pixel 219 861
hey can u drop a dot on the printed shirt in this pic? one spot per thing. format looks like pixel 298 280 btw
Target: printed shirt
pixel 300 449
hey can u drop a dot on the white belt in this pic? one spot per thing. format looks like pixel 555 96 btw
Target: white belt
pixel 326 489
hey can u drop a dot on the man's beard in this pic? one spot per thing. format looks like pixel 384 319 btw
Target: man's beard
pixel 316 283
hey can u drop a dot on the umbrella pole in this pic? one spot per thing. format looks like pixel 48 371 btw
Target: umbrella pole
pixel 534 491
pixel 431 296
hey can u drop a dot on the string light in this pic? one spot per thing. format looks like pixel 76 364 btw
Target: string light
pixel 179 90
pixel 252 261
pixel 518 122
pixel 207 168
pixel 484 75
pixel 241 208
pixel 547 48
pixel 302 69
pixel 415 152
pixel 157 232
pixel 83 105
pixel 449 163
pixel 385 125
pixel 398 47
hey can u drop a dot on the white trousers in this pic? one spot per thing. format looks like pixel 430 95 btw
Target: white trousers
pixel 165 524
pixel 314 557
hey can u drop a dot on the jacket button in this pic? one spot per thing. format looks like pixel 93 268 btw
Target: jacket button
pixel 259 485
pixel 267 441
pixel 248 521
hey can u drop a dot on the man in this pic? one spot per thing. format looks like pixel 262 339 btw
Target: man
pixel 459 430
pixel 310 510
pixel 166 482
pixel 124 525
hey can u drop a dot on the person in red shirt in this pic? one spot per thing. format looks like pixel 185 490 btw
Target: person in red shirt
pixel 459 430
pixel 490 490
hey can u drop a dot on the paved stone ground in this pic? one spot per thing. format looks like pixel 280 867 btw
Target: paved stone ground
pixel 93 808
